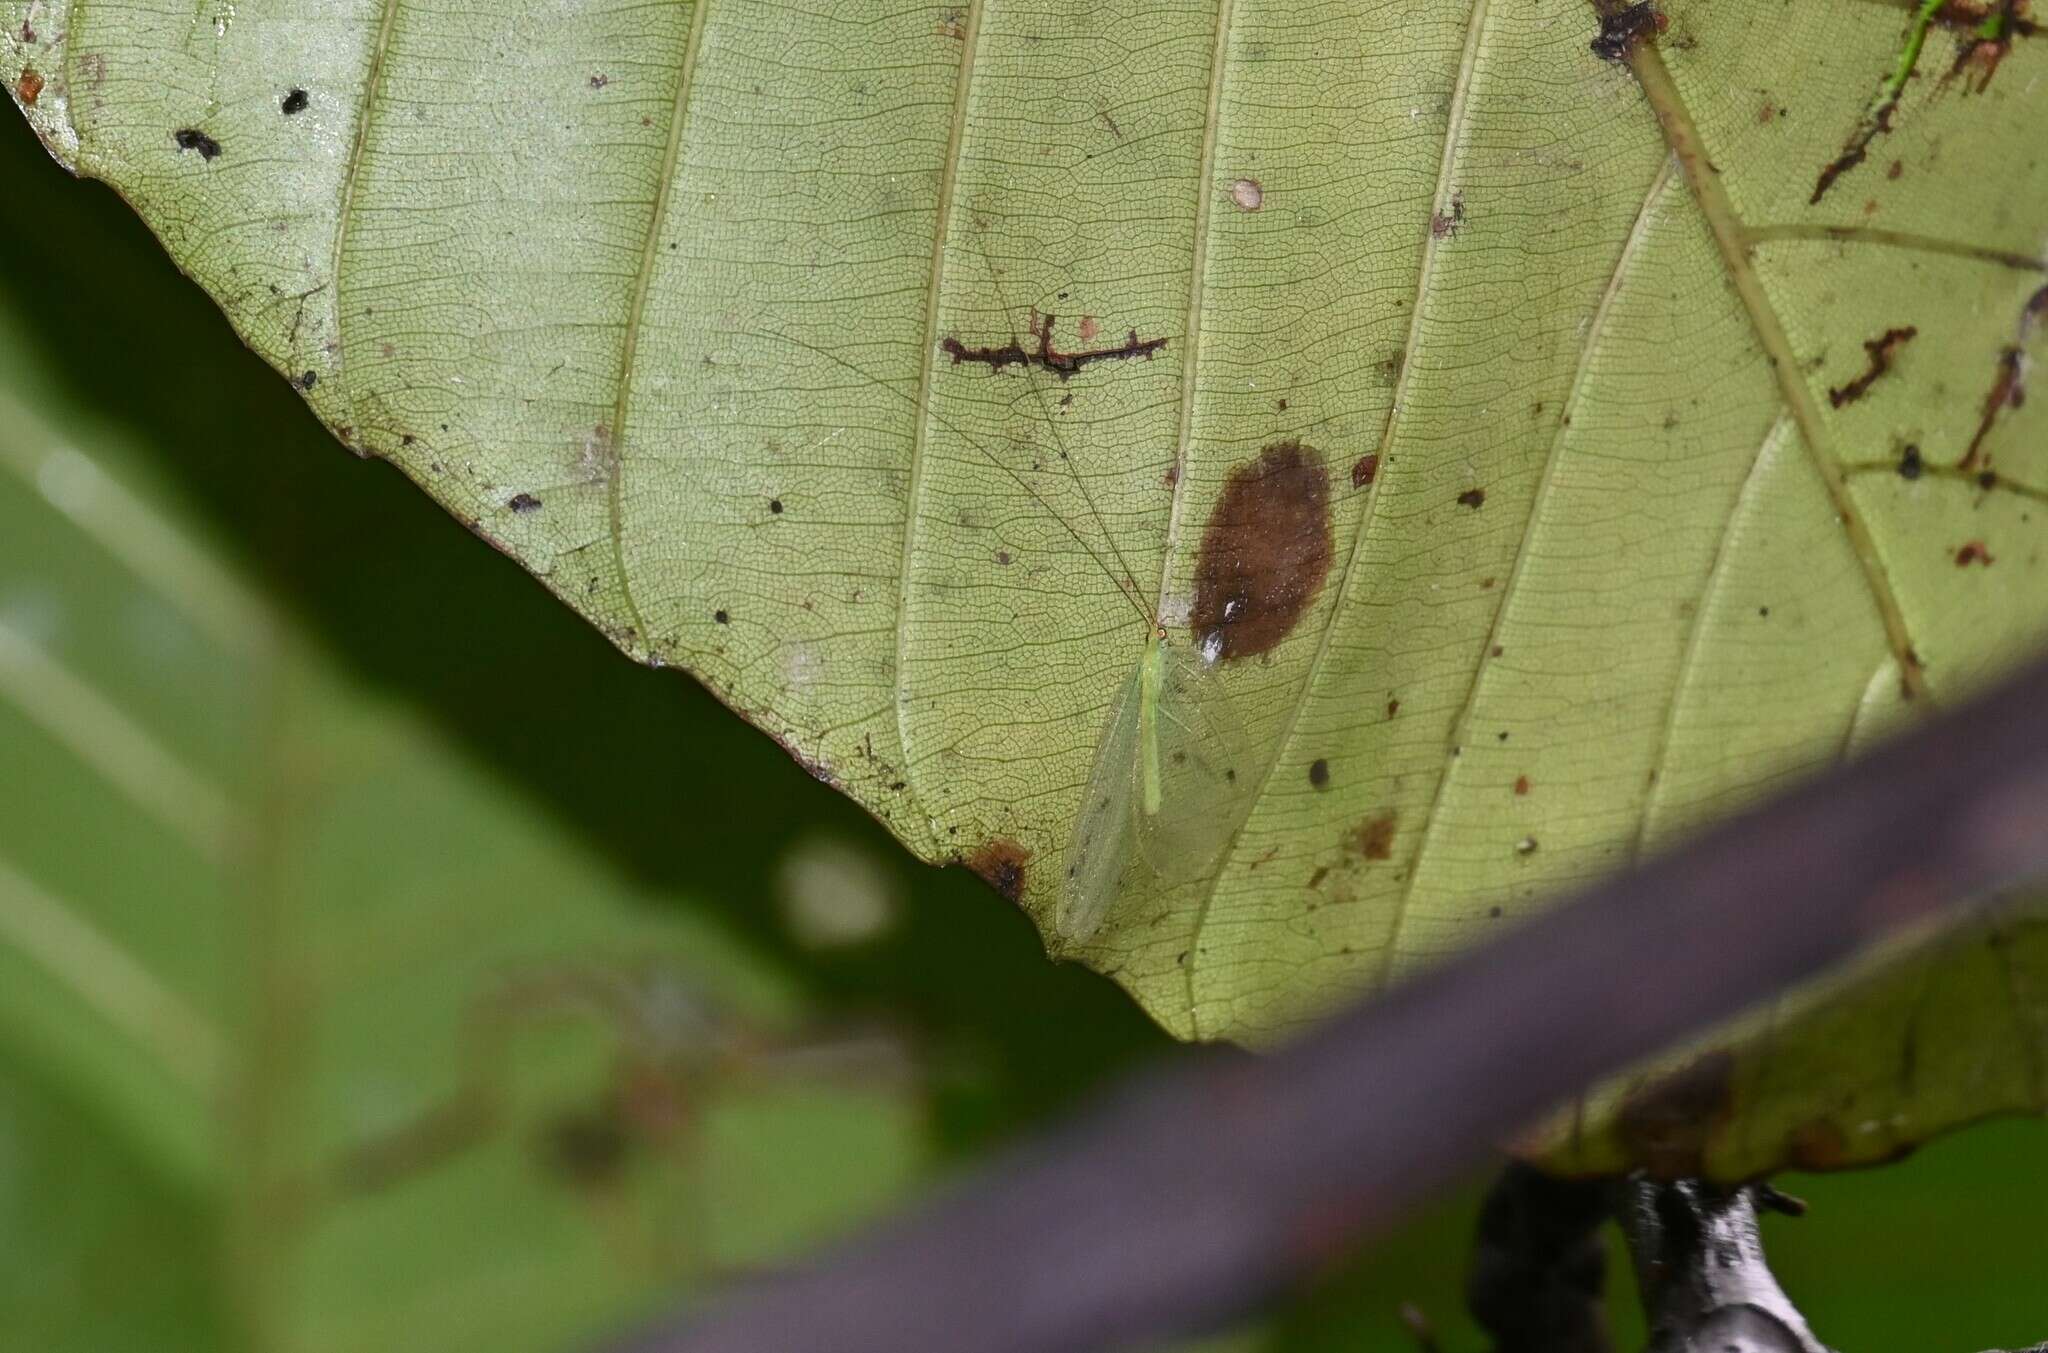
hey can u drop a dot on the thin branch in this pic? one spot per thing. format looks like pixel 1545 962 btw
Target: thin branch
pixel 1205 1191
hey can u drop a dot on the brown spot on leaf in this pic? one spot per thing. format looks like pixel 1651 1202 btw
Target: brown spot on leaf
pixel 587 1148
pixel 1046 354
pixel 1001 865
pixel 1974 553
pixel 1444 224
pixel 1878 353
pixel 1990 30
pixel 295 102
pixel 1265 553
pixel 1319 773
pixel 1521 785
pixel 1623 26
pixel 1374 837
pixel 191 138
pixel 2009 383
pixel 1668 1125
pixel 29 87
pixel 1816 1145
pixel 1473 498
pixel 1365 470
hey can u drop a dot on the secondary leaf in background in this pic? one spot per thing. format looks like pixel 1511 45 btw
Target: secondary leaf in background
pixel 816 351
pixel 346 1044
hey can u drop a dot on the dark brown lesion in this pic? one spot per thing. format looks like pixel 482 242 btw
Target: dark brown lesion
pixel 1670 1126
pixel 1985 33
pixel 1879 351
pixel 2009 381
pixel 1001 864
pixel 1044 353
pixel 1991 29
pixel 1623 26
pixel 1265 552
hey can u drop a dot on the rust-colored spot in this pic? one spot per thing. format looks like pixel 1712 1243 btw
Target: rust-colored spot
pixel 1991 29
pixel 1898 168
pixel 30 87
pixel 1365 470
pixel 1473 498
pixel 1265 553
pixel 1393 708
pixel 1001 865
pixel 1816 1145
pixel 1374 837
pixel 1878 353
pixel 1668 1125
pixel 1974 553
pixel 1521 785
pixel 2009 383
pixel 1444 224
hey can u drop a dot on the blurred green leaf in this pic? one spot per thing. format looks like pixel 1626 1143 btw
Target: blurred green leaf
pixel 331 1018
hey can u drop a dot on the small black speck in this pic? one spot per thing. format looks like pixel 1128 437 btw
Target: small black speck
pixel 721 617
pixel 1988 480
pixel 295 102
pixel 1502 735
pixel 1909 463
pixel 407 440
pixel 1473 498
pixel 1319 773
pixel 775 506
pixel 1493 912
pixel 1764 611
pixel 191 138
pixel 523 503
pixel 308 380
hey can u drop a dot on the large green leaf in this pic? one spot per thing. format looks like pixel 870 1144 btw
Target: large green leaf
pixel 1658 376
pixel 315 1035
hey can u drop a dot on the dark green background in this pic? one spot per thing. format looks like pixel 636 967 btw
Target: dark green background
pixel 1941 1252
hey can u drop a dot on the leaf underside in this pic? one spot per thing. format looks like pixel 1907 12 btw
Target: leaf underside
pixel 867 360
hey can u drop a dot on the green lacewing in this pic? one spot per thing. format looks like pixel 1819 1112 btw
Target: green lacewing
pixel 1173 775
